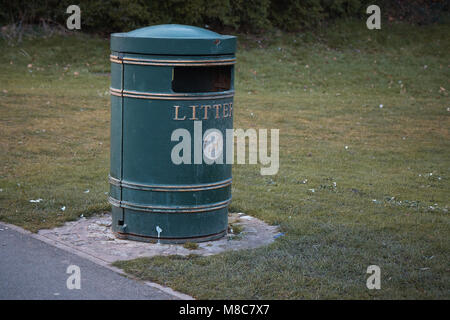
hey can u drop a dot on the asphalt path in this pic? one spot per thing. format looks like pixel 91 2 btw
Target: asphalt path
pixel 31 269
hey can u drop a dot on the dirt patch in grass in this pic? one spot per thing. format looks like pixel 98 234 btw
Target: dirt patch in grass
pixel 190 245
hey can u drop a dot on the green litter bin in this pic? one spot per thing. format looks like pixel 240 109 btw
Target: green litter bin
pixel 165 78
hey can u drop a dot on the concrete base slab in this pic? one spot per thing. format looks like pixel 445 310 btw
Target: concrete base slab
pixel 94 237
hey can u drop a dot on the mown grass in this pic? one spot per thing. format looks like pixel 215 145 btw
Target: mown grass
pixel 358 184
pixel 54 129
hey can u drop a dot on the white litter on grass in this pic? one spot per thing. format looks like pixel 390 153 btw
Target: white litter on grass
pixel 87 191
pixel 36 201
pixel 63 208
pixel 346 147
pixel 381 106
pixel 312 190
pixel 246 218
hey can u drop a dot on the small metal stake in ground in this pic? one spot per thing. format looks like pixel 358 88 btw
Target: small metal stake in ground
pixel 158 229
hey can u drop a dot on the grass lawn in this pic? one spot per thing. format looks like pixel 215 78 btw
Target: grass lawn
pixel 364 158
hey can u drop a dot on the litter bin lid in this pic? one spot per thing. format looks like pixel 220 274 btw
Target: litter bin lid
pixel 173 39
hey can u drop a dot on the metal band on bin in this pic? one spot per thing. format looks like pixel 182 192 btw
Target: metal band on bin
pixel 172 209
pixel 128 235
pixel 182 63
pixel 173 188
pixel 170 96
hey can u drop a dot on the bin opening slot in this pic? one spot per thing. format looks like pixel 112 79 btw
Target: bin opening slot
pixel 201 79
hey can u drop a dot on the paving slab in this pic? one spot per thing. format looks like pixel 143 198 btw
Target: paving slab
pixel 94 237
